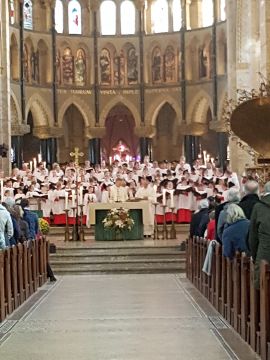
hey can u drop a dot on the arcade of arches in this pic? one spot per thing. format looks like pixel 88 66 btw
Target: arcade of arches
pixel 84 73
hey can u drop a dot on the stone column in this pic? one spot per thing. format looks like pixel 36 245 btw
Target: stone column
pixel 16 143
pixel 5 115
pixel 94 151
pixel 145 147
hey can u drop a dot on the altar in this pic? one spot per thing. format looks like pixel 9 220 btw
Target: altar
pixel 139 211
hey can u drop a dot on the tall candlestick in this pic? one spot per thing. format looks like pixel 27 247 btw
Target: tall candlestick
pixel 204 157
pixel 66 200
pixel 73 198
pixel 172 198
pixel 44 164
pixel 164 197
pixel 39 158
pixel 110 160
pixel 155 193
pixel 2 190
pixel 34 163
pixel 31 165
pixel 81 196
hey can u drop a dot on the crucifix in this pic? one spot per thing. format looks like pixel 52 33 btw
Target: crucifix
pixel 76 154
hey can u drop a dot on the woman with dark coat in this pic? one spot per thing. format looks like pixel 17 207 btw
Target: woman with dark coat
pixel 235 234
pixel 200 219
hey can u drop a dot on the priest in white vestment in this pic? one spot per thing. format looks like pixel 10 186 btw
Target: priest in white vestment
pixel 118 192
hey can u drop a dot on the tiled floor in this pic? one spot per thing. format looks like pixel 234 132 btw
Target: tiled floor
pixel 116 317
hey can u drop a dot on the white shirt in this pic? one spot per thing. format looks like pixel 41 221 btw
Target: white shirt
pixel 118 194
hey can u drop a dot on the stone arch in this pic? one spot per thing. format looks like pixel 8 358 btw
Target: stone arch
pixel 81 105
pixel 117 100
pixel 42 115
pixel 158 103
pixel 198 108
pixel 16 115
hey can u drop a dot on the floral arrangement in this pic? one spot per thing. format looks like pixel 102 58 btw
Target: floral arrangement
pixel 118 220
pixel 44 226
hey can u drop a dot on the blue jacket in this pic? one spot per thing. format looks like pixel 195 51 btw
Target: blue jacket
pixel 32 220
pixel 234 238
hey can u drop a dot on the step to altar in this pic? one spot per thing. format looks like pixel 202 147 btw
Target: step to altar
pixel 118 257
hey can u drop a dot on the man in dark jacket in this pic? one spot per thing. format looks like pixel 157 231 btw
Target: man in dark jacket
pixel 31 218
pixel 259 233
pixel 200 219
pixel 250 199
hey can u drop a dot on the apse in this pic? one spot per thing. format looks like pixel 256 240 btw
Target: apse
pixel 120 139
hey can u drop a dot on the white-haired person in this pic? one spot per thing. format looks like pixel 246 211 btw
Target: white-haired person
pixel 250 198
pixel 235 234
pixel 200 219
pixel 233 198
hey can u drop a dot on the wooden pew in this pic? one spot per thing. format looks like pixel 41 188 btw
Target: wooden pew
pixel 2 286
pixel 265 310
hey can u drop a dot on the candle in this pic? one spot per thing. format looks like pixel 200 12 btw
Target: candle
pixel 110 160
pixel 81 196
pixel 66 200
pixel 212 160
pixel 2 190
pixel 39 158
pixel 155 194
pixel 44 164
pixel 31 165
pixel 172 199
pixel 34 163
pixel 204 157
pixel 164 197
pixel 73 198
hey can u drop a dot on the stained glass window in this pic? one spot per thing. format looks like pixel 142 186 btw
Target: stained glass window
pixel 177 15
pixel 128 17
pixel 74 17
pixel 11 12
pixel 108 17
pixel 207 13
pixel 28 14
pixel 59 16
pixel 160 19
pixel 223 10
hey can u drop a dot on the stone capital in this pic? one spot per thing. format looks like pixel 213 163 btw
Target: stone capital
pixel 95 132
pixel 140 4
pixel 194 129
pixel 45 132
pixel 218 126
pixel 145 131
pixel 19 129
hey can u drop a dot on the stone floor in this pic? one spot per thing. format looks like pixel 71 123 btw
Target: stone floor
pixel 119 317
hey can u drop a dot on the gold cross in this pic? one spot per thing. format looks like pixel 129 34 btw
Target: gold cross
pixel 76 154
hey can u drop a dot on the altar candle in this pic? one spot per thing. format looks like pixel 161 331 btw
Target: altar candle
pixel 164 197
pixel 2 190
pixel 44 164
pixel 204 157
pixel 81 196
pixel 212 160
pixel 155 193
pixel 73 198
pixel 31 165
pixel 39 158
pixel 34 163
pixel 110 160
pixel 172 198
pixel 66 200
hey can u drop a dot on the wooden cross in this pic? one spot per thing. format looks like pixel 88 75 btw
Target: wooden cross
pixel 76 154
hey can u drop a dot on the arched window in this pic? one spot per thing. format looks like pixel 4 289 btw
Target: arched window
pixel 11 12
pixel 159 14
pixel 59 16
pixel 74 17
pixel 207 13
pixel 108 17
pixel 128 18
pixel 177 15
pixel 222 10
pixel 28 14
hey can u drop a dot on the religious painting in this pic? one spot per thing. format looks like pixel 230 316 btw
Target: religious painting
pixel 105 67
pixel 68 67
pixel 119 68
pixel 203 62
pixel 11 12
pixel 25 64
pixel 34 66
pixel 80 68
pixel 132 66
pixel 169 64
pixel 156 66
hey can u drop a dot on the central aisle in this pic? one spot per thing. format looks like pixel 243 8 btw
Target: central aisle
pixel 114 317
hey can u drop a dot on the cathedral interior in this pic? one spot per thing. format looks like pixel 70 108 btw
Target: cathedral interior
pixel 150 75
